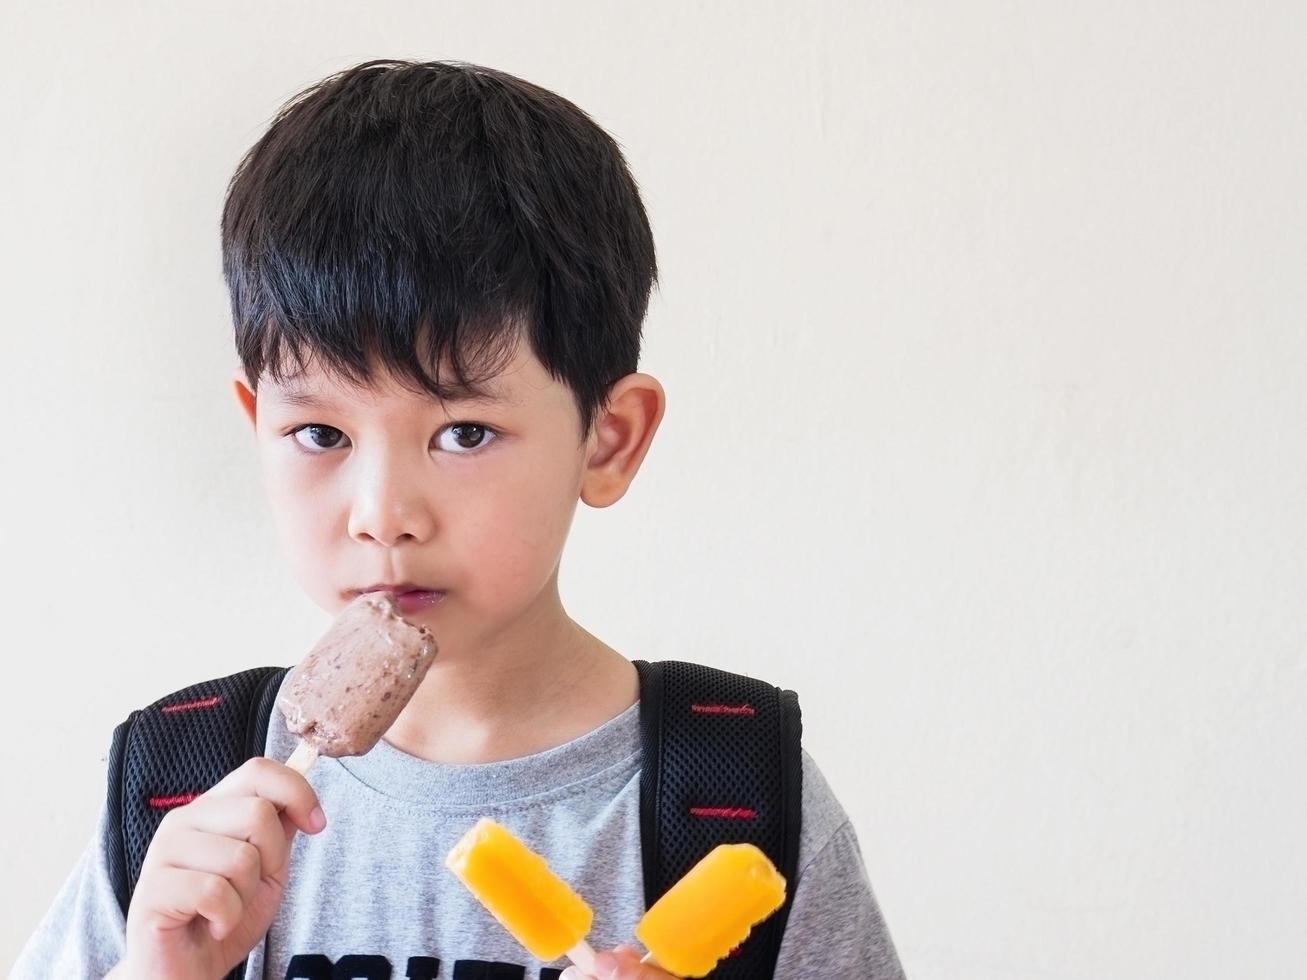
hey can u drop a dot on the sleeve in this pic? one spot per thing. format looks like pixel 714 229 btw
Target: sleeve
pixel 835 928
pixel 83 934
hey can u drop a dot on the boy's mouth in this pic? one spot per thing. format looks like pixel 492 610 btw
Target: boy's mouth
pixel 416 600
pixel 409 598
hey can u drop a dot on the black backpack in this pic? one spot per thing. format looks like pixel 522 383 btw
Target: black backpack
pixel 721 764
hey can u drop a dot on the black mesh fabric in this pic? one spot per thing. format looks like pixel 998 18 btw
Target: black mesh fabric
pixel 741 769
pixel 180 745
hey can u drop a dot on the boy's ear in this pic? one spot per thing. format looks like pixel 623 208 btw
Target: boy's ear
pixel 244 393
pixel 623 432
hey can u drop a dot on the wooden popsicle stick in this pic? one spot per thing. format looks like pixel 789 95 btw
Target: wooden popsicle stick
pixel 649 958
pixel 302 758
pixel 583 955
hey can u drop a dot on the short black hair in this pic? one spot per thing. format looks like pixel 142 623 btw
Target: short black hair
pixel 423 211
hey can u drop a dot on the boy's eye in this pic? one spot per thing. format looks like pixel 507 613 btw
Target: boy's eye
pixel 319 436
pixel 467 437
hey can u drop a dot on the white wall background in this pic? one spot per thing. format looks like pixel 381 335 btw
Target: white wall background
pixel 982 327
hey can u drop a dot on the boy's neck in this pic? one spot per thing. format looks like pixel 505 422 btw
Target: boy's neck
pixel 487 709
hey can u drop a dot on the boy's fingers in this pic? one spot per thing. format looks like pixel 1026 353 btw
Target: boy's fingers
pixel 280 785
pixel 181 894
pixel 238 861
pixel 244 818
pixel 623 963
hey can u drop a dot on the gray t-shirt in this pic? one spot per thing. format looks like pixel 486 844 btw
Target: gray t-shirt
pixel 370 896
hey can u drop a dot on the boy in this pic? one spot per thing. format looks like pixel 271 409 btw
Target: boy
pixel 438 276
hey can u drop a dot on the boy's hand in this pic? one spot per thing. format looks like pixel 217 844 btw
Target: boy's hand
pixel 623 963
pixel 215 872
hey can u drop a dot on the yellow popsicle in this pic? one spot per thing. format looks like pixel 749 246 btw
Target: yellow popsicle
pixel 516 885
pixel 711 910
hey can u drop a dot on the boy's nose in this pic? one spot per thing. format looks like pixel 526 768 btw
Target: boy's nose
pixel 388 524
pixel 387 509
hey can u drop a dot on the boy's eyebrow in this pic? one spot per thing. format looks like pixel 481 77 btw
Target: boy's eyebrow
pixel 303 398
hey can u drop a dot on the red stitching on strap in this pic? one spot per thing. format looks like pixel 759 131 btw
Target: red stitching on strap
pixel 722 709
pixel 192 705
pixel 726 812
pixel 168 802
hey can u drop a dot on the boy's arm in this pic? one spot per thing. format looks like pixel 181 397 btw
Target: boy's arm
pixel 835 927
pixel 83 933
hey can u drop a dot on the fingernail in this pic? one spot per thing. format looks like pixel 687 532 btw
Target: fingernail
pixel 317 819
pixel 605 965
pixel 571 973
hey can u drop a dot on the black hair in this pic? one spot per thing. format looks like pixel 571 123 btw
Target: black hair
pixel 423 211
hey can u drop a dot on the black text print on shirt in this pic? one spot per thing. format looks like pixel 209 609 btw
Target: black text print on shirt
pixel 315 966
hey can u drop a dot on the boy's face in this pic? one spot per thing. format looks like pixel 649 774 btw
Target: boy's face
pixel 383 485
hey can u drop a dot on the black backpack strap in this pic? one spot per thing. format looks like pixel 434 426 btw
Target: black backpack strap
pixel 722 765
pixel 172 751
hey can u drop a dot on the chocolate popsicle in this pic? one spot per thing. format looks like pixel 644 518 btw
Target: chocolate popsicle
pixel 349 689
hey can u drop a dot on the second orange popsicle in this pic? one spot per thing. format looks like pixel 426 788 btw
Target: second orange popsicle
pixel 518 888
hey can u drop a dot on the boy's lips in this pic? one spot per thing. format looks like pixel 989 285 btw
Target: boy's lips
pixel 416 601
pixel 399 588
pixel 409 598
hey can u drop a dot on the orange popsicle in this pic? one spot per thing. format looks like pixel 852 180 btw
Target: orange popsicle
pixel 516 885
pixel 711 910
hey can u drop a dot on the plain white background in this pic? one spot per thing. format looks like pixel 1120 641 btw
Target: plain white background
pixel 982 328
